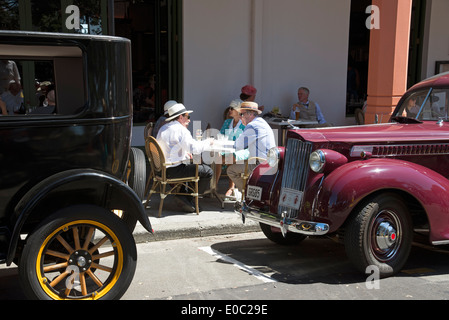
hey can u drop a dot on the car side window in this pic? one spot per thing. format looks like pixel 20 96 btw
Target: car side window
pixel 27 87
pixel 41 80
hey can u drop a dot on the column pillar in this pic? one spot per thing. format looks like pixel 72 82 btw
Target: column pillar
pixel 388 59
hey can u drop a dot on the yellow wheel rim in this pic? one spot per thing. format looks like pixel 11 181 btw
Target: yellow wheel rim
pixel 68 264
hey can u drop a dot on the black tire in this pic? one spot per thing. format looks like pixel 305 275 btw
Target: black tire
pixel 380 235
pixel 277 237
pixel 137 176
pixel 82 243
pixel 136 181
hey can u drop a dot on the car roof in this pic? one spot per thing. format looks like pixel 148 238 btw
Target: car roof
pixel 439 80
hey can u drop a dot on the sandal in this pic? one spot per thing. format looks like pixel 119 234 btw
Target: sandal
pixel 230 192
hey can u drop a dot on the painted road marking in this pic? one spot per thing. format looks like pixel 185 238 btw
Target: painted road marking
pixel 259 275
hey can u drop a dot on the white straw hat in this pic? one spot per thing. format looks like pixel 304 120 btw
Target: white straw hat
pixel 176 110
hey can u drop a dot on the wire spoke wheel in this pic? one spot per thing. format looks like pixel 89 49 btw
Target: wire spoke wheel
pixel 73 256
pixel 74 265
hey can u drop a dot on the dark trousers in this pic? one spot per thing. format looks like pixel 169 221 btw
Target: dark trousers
pixel 205 173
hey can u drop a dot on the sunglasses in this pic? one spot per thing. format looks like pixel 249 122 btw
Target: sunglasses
pixel 243 113
pixel 186 116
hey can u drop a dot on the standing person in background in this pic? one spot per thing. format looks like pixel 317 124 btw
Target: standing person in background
pixel 13 98
pixel 8 72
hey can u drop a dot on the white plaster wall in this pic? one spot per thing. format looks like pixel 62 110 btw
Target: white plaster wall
pixel 216 43
pixel 276 45
pixel 436 44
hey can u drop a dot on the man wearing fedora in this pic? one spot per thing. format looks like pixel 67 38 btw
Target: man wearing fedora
pixel 255 141
pixel 178 145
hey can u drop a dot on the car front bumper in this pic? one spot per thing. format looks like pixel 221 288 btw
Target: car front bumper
pixel 282 222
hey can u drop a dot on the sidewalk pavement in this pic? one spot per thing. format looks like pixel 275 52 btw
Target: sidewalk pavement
pixel 176 224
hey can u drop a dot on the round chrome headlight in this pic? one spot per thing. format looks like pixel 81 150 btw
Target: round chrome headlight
pixel 273 157
pixel 317 161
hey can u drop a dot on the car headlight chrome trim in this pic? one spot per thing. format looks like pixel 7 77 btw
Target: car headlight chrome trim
pixel 317 161
pixel 273 157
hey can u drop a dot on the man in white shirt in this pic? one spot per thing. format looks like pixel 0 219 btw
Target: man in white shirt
pixel 255 141
pixel 177 143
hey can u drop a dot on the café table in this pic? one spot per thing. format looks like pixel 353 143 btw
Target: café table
pixel 282 125
pixel 221 149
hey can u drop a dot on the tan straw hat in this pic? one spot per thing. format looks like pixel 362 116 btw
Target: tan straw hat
pixel 249 105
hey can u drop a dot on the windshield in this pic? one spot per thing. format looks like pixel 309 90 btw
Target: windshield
pixel 429 104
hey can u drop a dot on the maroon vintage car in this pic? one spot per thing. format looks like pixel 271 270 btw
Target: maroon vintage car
pixel 373 187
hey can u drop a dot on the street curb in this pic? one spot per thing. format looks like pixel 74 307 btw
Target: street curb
pixel 193 230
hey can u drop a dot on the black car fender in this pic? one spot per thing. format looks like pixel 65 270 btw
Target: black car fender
pixel 72 187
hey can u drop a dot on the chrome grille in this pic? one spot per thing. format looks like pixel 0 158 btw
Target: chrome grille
pixel 296 169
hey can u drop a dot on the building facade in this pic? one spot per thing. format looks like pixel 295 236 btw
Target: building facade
pixel 201 52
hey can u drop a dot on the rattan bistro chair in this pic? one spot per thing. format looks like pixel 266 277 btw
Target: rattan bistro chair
pixel 163 185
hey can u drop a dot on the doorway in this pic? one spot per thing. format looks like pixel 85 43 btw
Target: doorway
pixel 416 41
pixel 358 57
pixel 154 28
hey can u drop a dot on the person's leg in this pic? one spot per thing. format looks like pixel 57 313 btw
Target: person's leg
pixel 205 173
pixel 235 172
pixel 230 188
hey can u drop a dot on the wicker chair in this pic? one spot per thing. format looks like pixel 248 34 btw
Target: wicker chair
pixel 163 185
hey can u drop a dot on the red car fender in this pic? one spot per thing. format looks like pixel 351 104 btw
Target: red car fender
pixel 346 186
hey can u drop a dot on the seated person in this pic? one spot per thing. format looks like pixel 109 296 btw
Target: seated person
pixel 178 145
pixel 13 98
pixel 255 141
pixel 49 107
pixel 308 110
pixel 232 128
pixel 411 108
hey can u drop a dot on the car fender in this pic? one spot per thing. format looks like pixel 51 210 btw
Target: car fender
pixel 74 187
pixel 346 186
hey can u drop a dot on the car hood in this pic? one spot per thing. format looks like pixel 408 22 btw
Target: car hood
pixel 388 133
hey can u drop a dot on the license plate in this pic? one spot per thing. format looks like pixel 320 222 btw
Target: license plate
pixel 291 198
pixel 254 193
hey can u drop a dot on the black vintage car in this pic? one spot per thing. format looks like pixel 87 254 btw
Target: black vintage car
pixel 67 210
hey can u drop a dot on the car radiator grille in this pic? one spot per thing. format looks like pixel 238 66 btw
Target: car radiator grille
pixel 296 169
